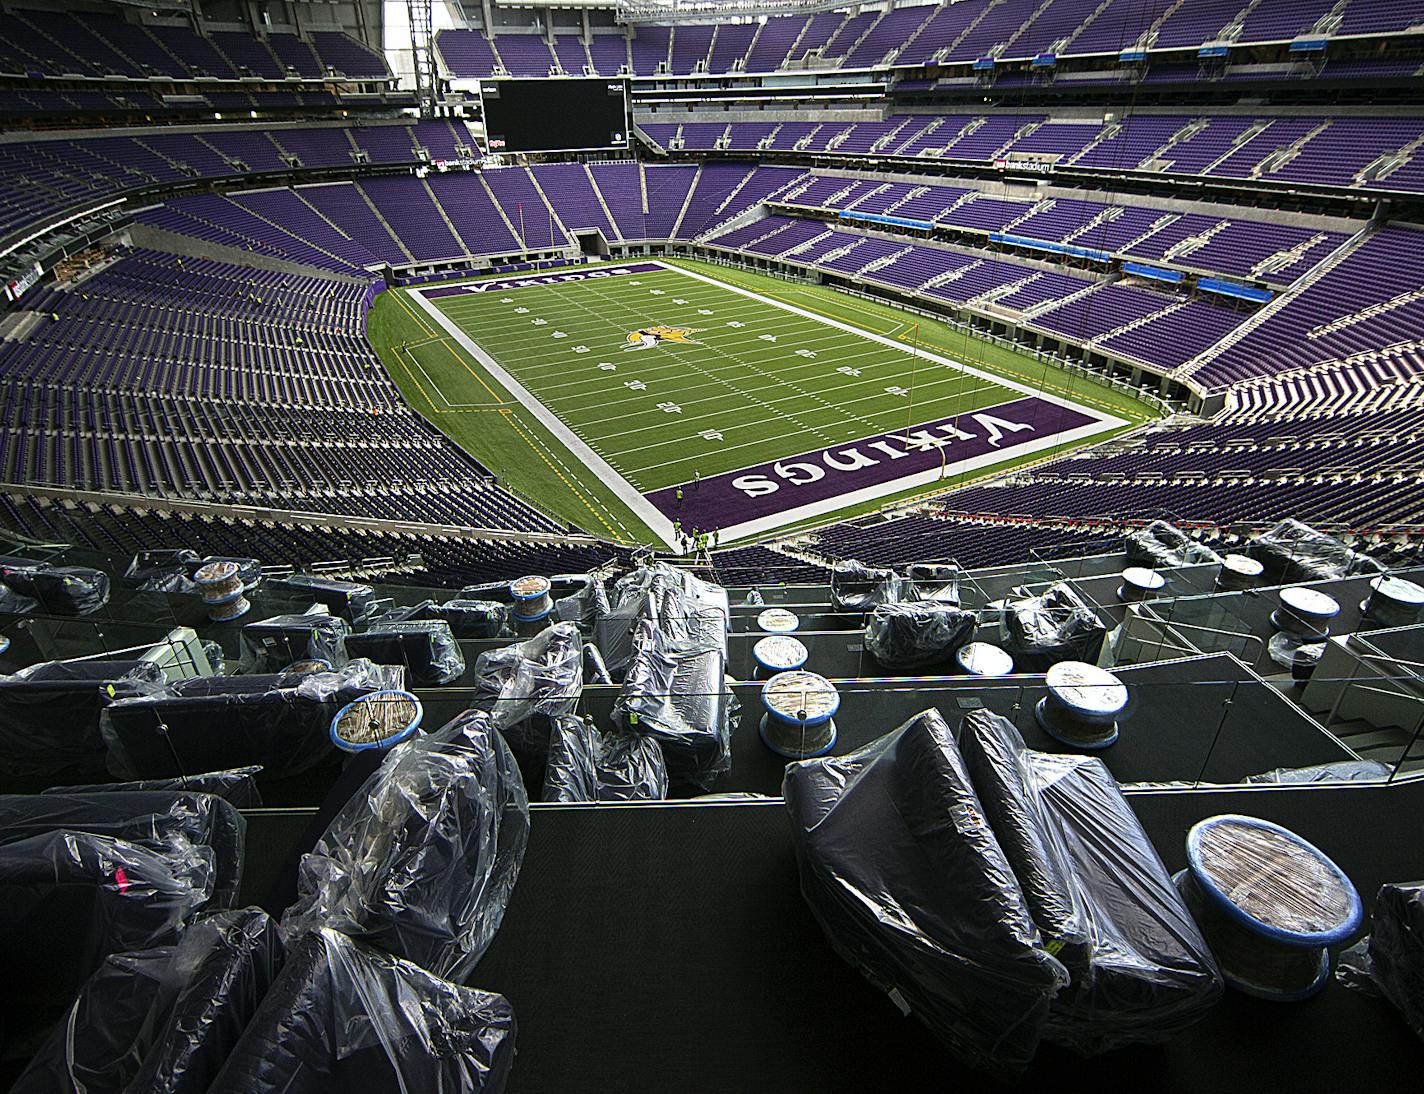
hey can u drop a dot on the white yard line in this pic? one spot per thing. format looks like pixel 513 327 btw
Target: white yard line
pixel 663 527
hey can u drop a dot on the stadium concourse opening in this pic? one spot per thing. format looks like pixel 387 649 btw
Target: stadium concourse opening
pixel 670 546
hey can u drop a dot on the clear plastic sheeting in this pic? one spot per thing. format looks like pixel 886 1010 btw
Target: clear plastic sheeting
pixel 1292 551
pixel 211 723
pixel 420 863
pixel 528 684
pixel 50 714
pixel 595 671
pixel 902 869
pixel 163 1020
pixel 1161 544
pixel 1340 771
pixel 917 634
pixel 70 899
pixel 55 590
pixel 342 1017
pixel 856 587
pixel 686 609
pixel 202 836
pixel 1100 896
pixel 586 765
pixel 1057 626
pixel 270 645
pixel 586 603
pixel 675 692
pixel 937 581
pixel 238 786
pixel 426 647
pixel 348 598
pixel 1389 961
pixel 992 750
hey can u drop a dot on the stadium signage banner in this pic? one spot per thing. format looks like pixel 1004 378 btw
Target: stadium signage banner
pixel 503 284
pixel 827 478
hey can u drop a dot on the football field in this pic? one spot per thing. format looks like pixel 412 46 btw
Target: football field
pixel 661 380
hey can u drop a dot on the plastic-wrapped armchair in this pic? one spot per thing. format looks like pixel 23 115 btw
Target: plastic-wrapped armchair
pixel 280 723
pixel 676 693
pixel 49 715
pixel 527 685
pixel 588 766
pixel 421 861
pixel 1057 626
pixel 903 871
pixel 856 587
pixel 1389 961
pixel 162 1020
pixel 1161 544
pixel 917 634
pixel 202 836
pixel 342 1017
pixel 70 899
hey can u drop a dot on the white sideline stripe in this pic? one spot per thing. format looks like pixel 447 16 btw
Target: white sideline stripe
pixel 626 491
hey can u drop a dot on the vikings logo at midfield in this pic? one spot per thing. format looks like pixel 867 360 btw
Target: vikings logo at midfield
pixel 648 337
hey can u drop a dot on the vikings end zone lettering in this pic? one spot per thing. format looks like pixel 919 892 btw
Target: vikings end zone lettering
pixel 560 277
pixel 771 494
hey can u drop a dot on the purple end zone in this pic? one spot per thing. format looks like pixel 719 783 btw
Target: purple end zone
pixel 737 497
pixel 552 277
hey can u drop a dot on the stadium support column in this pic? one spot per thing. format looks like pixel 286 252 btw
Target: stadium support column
pixel 422 53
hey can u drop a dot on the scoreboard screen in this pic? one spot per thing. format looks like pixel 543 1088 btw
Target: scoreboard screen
pixel 554 115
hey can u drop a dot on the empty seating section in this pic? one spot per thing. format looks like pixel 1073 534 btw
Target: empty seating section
pixel 525 54
pixel 1353 151
pixel 186 376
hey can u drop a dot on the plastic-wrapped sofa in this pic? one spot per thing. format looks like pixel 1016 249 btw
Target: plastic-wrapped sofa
pixel 426 647
pixel 675 691
pixel 50 714
pixel 588 766
pixel 680 604
pixel 280 723
pixel 270 645
pixel 421 861
pixel 917 634
pixel 1057 626
pixel 342 1017
pixel 54 590
pixel 526 685
pixel 198 832
pixel 900 866
pixel 1141 970
pixel 237 786
pixel 68 900
pixel 1291 551
pixel 344 598
pixel 1161 544
pixel 162 1020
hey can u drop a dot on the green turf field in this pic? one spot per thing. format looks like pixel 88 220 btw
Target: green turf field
pixel 673 373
